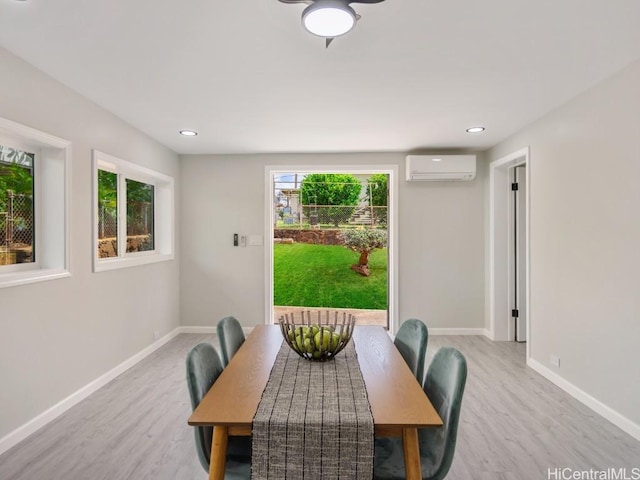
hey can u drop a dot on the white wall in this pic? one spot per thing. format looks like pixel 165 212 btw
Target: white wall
pixel 57 336
pixel 585 239
pixel 441 240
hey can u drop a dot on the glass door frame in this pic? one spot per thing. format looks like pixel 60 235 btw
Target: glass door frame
pixel 392 226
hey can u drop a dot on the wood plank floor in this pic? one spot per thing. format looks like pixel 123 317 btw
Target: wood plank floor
pixel 514 425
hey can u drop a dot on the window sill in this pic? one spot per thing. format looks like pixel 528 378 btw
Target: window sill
pixel 107 264
pixel 31 276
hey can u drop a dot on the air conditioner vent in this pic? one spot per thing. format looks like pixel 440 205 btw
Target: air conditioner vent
pixel 440 168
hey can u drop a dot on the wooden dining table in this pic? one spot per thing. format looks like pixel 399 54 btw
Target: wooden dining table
pixel 399 406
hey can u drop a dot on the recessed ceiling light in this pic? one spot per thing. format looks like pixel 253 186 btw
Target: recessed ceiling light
pixel 436 159
pixel 188 133
pixel 475 129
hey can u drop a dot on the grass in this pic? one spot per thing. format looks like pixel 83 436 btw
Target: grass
pixel 319 276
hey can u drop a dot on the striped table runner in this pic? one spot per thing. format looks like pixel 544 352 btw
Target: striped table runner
pixel 314 421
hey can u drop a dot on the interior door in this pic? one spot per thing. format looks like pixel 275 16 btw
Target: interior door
pixel 520 208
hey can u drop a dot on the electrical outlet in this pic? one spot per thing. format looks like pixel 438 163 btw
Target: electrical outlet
pixel 554 360
pixel 235 239
pixel 156 334
pixel 243 241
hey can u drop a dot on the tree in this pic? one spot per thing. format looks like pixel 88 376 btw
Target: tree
pixel 379 193
pixel 15 170
pixel 363 241
pixel 337 193
pixel 16 178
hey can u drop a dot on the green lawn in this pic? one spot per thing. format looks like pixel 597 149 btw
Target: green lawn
pixel 319 276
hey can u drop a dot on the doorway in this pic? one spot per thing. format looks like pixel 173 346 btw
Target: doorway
pixel 509 312
pixel 518 250
pixel 298 225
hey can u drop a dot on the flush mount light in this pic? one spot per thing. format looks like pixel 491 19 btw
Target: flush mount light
pixel 188 133
pixel 436 159
pixel 475 129
pixel 329 18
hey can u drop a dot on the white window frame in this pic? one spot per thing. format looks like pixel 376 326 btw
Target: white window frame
pixel 51 204
pixel 163 213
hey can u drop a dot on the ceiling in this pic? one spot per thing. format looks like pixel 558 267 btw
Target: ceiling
pixel 413 74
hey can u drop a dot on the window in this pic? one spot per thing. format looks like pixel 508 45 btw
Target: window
pixel 34 169
pixel 133 214
pixel 17 212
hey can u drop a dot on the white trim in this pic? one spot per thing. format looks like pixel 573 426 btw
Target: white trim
pixel 22 432
pixel 198 329
pixel 32 135
pixel 392 228
pixel 208 330
pixel 53 200
pixel 32 276
pixel 458 331
pixel 519 157
pixel 432 331
pixel 583 397
pixel 163 214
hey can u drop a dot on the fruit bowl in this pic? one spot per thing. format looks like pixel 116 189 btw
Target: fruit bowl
pixel 318 339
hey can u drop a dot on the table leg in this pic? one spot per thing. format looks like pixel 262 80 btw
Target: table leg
pixel 411 453
pixel 218 453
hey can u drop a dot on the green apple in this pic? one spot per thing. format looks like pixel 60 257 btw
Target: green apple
pixel 335 340
pixel 308 345
pixel 322 339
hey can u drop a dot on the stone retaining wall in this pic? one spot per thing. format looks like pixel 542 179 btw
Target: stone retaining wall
pixel 135 243
pixel 315 236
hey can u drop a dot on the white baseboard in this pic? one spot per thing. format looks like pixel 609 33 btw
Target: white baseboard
pixel 594 404
pixel 22 432
pixel 432 331
pixel 208 329
pixel 204 330
pixel 457 331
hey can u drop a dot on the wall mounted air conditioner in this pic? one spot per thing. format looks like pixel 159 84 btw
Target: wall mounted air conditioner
pixel 440 167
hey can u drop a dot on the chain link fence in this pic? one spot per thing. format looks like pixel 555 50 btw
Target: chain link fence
pixel 291 212
pixel 331 216
pixel 107 222
pixel 16 228
pixel 139 220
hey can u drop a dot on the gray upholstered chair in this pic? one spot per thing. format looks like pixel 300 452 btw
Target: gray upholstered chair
pixel 203 369
pixel 231 338
pixel 411 341
pixel 444 386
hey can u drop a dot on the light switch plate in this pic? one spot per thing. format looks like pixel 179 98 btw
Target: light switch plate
pixel 255 240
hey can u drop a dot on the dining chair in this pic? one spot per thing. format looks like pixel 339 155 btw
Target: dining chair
pixel 231 338
pixel 444 385
pixel 203 369
pixel 411 342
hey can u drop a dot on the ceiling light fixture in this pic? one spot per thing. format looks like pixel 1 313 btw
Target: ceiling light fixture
pixel 188 133
pixel 436 159
pixel 475 129
pixel 329 18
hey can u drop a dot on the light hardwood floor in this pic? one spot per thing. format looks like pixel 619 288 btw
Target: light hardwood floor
pixel 514 424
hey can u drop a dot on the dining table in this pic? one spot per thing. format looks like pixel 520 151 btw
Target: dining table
pixel 398 403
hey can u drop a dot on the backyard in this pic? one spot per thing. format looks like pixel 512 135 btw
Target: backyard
pixel 320 276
